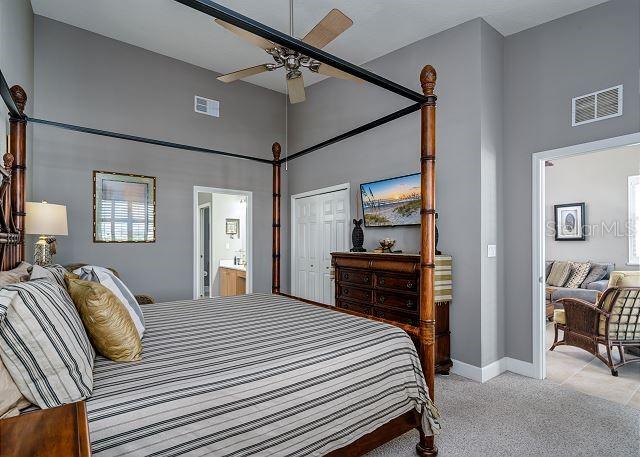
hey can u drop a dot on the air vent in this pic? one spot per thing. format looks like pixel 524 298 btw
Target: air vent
pixel 597 106
pixel 205 106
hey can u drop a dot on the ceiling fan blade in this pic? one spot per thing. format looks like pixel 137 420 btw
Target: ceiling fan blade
pixel 296 89
pixel 240 74
pixel 325 31
pixel 328 70
pixel 248 36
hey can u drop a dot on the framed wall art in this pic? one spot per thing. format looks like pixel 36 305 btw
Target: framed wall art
pixel 124 208
pixel 570 222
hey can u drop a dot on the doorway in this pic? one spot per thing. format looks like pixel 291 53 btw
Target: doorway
pixel 540 232
pixel 321 226
pixel 222 260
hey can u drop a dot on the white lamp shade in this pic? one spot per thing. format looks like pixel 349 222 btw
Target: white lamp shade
pixel 45 219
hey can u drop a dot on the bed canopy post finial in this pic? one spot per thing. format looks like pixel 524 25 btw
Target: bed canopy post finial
pixel 428 76
pixel 275 262
pixel 14 254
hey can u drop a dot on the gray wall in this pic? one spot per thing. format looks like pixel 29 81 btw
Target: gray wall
pixel 491 194
pixel 83 78
pixel 334 106
pixel 603 189
pixel 16 60
pixel 544 68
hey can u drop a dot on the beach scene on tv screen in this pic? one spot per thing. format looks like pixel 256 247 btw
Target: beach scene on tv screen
pixel 393 201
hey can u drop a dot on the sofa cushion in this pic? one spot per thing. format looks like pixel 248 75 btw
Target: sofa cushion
pixel 600 286
pixel 560 272
pixel 597 272
pixel 609 267
pixel 581 294
pixel 579 272
pixel 559 317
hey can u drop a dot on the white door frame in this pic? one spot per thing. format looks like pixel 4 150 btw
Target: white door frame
pixel 292 221
pixel 538 239
pixel 200 248
pixel 249 231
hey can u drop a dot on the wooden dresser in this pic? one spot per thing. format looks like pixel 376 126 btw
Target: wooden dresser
pixel 387 286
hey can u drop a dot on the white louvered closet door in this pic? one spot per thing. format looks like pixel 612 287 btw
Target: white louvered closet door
pixel 322 227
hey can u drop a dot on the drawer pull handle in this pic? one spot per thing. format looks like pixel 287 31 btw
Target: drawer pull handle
pixel 346 276
pixel 381 299
pixel 409 303
pixel 409 285
pixel 345 306
pixel 382 281
pixel 366 279
pixel 346 291
pixel 379 313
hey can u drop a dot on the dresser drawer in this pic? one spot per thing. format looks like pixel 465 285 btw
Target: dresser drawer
pixel 348 292
pixel 400 283
pixel 358 307
pixel 396 300
pixel 395 315
pixel 355 277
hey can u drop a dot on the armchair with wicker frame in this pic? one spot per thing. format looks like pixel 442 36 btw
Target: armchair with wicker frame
pixel 614 321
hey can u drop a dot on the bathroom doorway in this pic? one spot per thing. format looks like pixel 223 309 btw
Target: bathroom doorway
pixel 222 242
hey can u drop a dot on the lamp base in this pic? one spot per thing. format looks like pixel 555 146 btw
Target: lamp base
pixel 44 250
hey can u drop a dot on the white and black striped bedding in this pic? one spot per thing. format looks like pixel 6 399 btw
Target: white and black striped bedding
pixel 256 374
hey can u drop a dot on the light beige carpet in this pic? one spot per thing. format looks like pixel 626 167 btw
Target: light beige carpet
pixel 516 416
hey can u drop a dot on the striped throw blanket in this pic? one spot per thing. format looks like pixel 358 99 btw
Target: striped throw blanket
pixel 254 375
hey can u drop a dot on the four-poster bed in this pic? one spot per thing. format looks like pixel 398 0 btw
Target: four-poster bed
pixel 13 198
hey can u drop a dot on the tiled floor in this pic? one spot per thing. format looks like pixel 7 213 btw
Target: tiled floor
pixel 579 370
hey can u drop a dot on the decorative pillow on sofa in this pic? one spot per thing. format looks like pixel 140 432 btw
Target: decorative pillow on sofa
pixel 107 321
pixel 115 285
pixel 596 273
pixel 547 270
pixel 44 345
pixel 18 274
pixel 560 273
pixel 579 272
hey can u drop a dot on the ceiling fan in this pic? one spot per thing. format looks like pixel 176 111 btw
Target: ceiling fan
pixel 325 31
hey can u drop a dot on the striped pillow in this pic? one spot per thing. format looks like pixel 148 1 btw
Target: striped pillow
pixel 52 272
pixel 106 277
pixel 44 345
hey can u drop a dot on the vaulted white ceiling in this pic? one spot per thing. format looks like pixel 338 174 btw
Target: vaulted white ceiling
pixel 380 26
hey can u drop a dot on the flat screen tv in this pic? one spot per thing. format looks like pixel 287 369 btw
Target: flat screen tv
pixel 391 202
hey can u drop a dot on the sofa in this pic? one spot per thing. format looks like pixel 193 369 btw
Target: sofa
pixel 588 292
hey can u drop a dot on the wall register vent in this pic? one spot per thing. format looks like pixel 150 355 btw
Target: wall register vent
pixel 206 106
pixel 597 106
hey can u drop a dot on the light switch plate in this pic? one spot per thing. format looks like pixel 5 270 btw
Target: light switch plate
pixel 491 250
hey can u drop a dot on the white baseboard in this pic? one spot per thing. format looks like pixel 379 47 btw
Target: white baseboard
pixel 493 369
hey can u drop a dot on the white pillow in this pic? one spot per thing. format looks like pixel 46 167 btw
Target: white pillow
pixel 106 277
pixel 43 344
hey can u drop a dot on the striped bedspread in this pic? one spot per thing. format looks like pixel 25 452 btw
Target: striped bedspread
pixel 254 375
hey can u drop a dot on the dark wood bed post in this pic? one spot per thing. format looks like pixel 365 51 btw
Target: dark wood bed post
pixel 426 446
pixel 275 262
pixel 17 148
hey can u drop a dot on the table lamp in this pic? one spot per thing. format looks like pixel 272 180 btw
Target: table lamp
pixel 46 220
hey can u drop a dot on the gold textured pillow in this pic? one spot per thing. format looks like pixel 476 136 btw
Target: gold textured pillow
pixel 108 323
